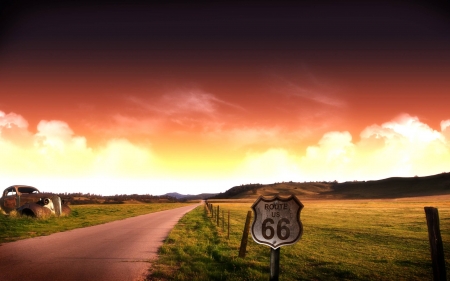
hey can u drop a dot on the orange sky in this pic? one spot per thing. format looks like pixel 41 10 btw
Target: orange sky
pixel 197 98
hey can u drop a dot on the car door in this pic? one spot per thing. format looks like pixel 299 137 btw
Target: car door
pixel 9 200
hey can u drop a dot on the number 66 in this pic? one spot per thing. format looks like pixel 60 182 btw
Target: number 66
pixel 267 228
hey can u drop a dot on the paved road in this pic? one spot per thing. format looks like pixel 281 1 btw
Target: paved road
pixel 119 250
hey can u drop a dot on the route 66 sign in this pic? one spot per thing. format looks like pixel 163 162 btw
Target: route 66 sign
pixel 277 221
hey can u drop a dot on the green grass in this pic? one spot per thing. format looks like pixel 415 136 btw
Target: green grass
pixel 342 240
pixel 13 228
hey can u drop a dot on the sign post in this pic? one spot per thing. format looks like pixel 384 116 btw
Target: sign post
pixel 274 264
pixel 277 223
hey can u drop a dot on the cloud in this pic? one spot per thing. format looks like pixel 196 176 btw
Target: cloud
pixel 14 129
pixel 307 86
pixel 314 103
pixel 192 110
pixel 333 147
pixel 54 158
pixel 120 157
pixel 445 128
pixel 189 102
pixel 55 151
pixel 257 138
pixel 404 146
pixel 183 103
pixel 445 125
pixel 316 96
pixel 57 158
pixel 401 147
pixel 406 127
pixel 57 136
pixel 210 117
pixel 273 165
pixel 12 119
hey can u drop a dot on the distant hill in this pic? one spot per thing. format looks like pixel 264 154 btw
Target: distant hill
pixel 394 187
pixel 309 189
pixel 189 196
pixel 386 188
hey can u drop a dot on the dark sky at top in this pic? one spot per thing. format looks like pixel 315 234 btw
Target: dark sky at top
pixel 87 27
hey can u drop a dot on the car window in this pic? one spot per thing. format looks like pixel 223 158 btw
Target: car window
pixel 10 192
pixel 28 189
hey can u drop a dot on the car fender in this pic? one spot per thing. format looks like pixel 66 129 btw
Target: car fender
pixel 34 210
pixel 65 210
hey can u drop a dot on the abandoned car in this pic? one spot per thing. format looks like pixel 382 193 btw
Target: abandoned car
pixel 29 201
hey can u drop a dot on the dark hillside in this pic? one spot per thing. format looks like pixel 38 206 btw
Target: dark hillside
pixel 236 190
pixel 394 187
pixel 387 188
pixel 307 189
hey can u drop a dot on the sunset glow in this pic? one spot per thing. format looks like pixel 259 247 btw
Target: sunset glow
pixel 137 102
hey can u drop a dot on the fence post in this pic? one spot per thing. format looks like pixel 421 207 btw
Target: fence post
pixel 243 249
pixel 223 220
pixel 436 246
pixel 218 215
pixel 212 211
pixel 228 225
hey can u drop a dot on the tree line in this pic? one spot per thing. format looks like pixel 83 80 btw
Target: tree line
pixel 79 198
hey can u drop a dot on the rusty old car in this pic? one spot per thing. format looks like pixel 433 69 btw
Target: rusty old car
pixel 29 201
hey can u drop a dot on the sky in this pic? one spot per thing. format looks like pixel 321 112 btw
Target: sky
pixel 137 98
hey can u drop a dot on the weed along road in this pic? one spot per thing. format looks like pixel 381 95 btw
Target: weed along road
pixel 120 250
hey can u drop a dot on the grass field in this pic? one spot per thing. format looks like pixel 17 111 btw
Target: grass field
pixel 342 240
pixel 14 228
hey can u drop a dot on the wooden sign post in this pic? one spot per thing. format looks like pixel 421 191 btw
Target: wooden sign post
pixel 277 223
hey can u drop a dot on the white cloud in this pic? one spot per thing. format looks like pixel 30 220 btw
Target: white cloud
pixel 332 146
pixel 122 158
pixel 55 158
pixel 14 129
pixel 404 126
pixel 57 136
pixel 331 158
pixel 273 165
pixel 445 125
pixel 7 120
pixel 55 152
pixel 403 146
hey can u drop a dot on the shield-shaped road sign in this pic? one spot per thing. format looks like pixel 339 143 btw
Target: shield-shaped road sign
pixel 277 221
